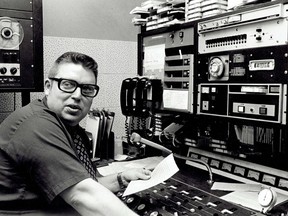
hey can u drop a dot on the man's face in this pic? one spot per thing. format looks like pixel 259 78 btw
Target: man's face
pixel 70 107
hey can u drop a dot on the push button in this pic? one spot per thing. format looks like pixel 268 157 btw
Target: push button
pixel 263 110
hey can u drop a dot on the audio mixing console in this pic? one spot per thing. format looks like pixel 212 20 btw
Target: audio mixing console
pixel 186 196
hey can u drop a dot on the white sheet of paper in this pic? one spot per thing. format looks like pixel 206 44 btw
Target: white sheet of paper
pixel 175 99
pixel 164 170
pixel 154 60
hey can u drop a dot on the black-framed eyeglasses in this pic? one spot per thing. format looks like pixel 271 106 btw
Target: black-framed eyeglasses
pixel 69 86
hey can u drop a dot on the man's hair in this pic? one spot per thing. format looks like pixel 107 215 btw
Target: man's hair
pixel 86 61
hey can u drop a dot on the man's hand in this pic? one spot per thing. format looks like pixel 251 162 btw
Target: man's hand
pixel 112 183
pixel 135 174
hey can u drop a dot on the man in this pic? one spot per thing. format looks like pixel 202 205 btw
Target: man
pixel 41 154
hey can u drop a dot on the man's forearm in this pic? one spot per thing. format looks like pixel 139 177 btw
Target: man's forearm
pixel 91 198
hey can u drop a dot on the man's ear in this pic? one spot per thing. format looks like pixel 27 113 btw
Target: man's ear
pixel 47 86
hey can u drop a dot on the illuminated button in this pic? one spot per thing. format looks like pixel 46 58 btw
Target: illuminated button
pixel 205 90
pixel 205 105
pixel 241 109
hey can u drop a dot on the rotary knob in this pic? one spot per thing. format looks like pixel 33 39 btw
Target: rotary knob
pixel 216 67
pixel 13 70
pixel 3 70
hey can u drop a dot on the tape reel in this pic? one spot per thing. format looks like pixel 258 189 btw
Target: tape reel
pixel 11 33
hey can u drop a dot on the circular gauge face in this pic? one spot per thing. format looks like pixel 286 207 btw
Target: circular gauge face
pixel 266 197
pixel 216 67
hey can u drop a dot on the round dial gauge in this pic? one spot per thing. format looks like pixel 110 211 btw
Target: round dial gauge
pixel 267 198
pixel 216 67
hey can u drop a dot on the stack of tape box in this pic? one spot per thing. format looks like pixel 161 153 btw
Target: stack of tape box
pixel 197 9
pixel 166 14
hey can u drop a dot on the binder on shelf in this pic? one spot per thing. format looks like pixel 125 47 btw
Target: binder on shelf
pixel 92 126
pixel 109 143
pixel 99 146
pixel 99 124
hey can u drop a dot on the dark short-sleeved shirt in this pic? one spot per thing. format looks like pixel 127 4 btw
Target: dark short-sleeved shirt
pixel 38 160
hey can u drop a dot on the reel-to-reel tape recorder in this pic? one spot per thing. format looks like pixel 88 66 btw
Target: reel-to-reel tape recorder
pixel 21 45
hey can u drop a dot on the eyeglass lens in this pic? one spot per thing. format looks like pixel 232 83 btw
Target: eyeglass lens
pixel 70 86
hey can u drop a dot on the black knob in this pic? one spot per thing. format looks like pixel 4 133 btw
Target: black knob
pixel 13 70
pixel 259 38
pixel 258 30
pixel 3 70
